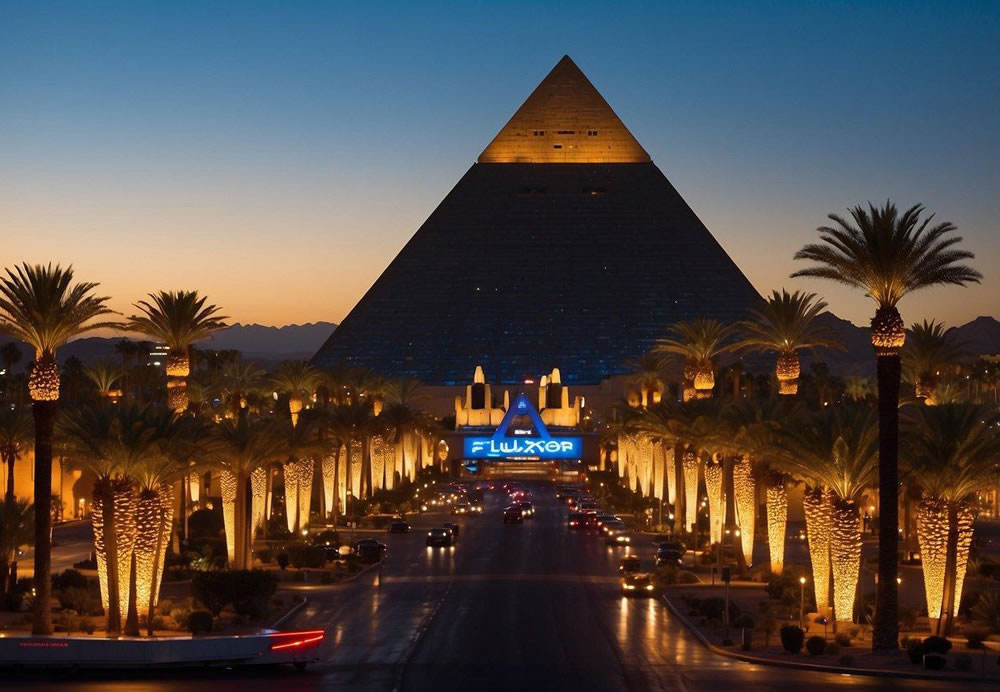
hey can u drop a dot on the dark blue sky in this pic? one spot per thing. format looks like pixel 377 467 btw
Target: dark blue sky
pixel 277 155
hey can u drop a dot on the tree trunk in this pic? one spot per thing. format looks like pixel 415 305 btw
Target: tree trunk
pixel 950 572
pixel 678 490
pixel 110 533
pixel 885 633
pixel 9 494
pixel 45 420
pixel 132 619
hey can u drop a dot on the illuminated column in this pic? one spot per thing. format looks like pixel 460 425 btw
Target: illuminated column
pixel 659 461
pixel 178 369
pixel 644 465
pixel 621 456
pixel 166 529
pixel 378 462
pixel 329 472
pixel 670 471
pixel 845 557
pixel 100 550
pixel 295 406
pixel 290 471
pixel 777 517
pixel 704 379
pixel 744 494
pixel 787 372
pixel 818 510
pixel 355 462
pixel 125 504
pixel 304 475
pixel 342 478
pixel 965 529
pixel 258 490
pixel 194 483
pixel 410 451
pixel 690 468
pixel 227 483
pixel 932 535
pixel 148 524
pixel 716 499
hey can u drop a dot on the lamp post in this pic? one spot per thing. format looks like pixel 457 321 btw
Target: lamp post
pixel 802 601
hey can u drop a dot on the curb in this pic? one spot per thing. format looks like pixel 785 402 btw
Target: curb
pixel 289 613
pixel 815 667
pixel 416 639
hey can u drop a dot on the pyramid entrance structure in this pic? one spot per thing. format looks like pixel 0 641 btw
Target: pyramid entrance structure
pixel 563 246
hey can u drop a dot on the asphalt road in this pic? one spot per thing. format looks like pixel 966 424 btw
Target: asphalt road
pixel 514 607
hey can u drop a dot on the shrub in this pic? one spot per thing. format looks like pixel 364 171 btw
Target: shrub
pixel 12 601
pixel 79 599
pixel 89 563
pixel 986 611
pixel 792 638
pixel 266 555
pixel 915 651
pixel 182 617
pixel 282 560
pixel 206 522
pixel 936 645
pixel 815 645
pixel 832 649
pixel 963 662
pixel 69 578
pixel 934 661
pixel 713 608
pixel 853 632
pixel 164 606
pixel 248 591
pixel 975 637
pixel 908 617
pixel 200 622
pixel 87 625
pixel 302 555
pixel 842 639
pixel 767 625
pixel 686 577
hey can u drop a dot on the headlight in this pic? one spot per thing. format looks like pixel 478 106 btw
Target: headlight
pixel 423 508
pixel 629 587
pixel 649 587
pixel 429 533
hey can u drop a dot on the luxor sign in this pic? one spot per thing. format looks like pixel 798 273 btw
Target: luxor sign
pixel 541 445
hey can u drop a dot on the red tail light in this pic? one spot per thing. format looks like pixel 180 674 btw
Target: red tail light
pixel 296 640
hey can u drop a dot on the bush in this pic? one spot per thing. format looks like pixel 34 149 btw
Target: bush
pixel 182 617
pixel 248 591
pixel 713 608
pixel 934 661
pixel 815 645
pixel 69 578
pixel 206 523
pixel 81 600
pixel 936 645
pixel 200 622
pixel 792 638
pixel 915 651
pixel 87 625
pixel 908 617
pixel 842 639
pixel 282 560
pixel 832 649
pixel 266 555
pixel 975 638
pixel 853 632
pixel 986 611
pixel 302 555
pixel 89 563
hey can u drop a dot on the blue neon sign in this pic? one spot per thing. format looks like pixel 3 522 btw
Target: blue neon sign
pixel 539 446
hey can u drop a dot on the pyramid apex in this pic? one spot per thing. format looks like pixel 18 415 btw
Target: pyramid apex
pixel 564 120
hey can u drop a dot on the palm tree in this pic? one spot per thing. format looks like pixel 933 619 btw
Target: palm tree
pixel 15 436
pixel 115 444
pixel 17 519
pixel 105 376
pixel 41 306
pixel 927 351
pixel 786 324
pixel 857 389
pixel 648 378
pixel 238 381
pixel 699 342
pixel 297 379
pixel 951 453
pixel 836 454
pixel 244 447
pixel 302 446
pixel 177 319
pixel 888 255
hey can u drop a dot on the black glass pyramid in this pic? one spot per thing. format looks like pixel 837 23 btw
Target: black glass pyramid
pixel 563 246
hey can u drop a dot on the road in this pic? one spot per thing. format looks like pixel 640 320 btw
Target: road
pixel 529 606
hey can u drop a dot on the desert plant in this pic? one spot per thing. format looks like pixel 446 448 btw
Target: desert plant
pixel 792 638
pixel 843 639
pixel 915 650
pixel 986 612
pixel 816 645
pixel 200 622
pixel 936 645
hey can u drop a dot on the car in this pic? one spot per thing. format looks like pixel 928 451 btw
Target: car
pixel 461 507
pixel 527 509
pixel 370 550
pixel 629 564
pixel 617 538
pixel 637 584
pixel 451 527
pixel 575 520
pixel 399 527
pixel 669 556
pixel 440 538
pixel 608 526
pixel 589 507
pixel 589 521
pixel 513 515
pixel 604 517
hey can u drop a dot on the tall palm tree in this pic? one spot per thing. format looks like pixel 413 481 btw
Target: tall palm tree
pixel 888 254
pixel 114 443
pixel 298 380
pixel 699 342
pixel 857 389
pixel 244 447
pixel 836 454
pixel 41 306
pixel 16 434
pixel 950 451
pixel 238 381
pixel 105 376
pixel 177 319
pixel 648 378
pixel 786 324
pixel 928 350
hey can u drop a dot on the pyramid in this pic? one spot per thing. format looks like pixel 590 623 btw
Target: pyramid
pixel 562 246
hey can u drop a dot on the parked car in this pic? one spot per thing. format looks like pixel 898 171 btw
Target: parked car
pixel 370 550
pixel 669 556
pixel 399 527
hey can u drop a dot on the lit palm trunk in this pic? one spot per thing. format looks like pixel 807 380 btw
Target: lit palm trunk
pixel 818 511
pixel 704 380
pixel 690 466
pixel 716 499
pixel 845 554
pixel 295 407
pixel 178 369
pixel 290 471
pixel 258 488
pixel 777 519
pixel 147 538
pixel 932 535
pixel 965 534
pixel 125 504
pixel 622 441
pixel 102 525
pixel 671 472
pixel 644 465
pixel 227 484
pixel 746 504
pixel 328 469
pixel 787 372
pixel 194 486
pixel 378 462
pixel 355 462
pixel 659 461
pixel 166 529
pixel 307 468
pixel 342 479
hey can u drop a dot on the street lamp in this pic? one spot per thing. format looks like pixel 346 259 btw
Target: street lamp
pixel 802 600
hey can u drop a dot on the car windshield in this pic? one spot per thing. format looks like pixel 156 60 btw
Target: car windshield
pixel 439 532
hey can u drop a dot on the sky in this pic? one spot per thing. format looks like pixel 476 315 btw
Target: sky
pixel 276 156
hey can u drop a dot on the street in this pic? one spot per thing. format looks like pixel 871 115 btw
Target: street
pixel 529 606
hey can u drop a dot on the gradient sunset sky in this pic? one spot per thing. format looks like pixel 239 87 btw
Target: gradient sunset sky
pixel 277 156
